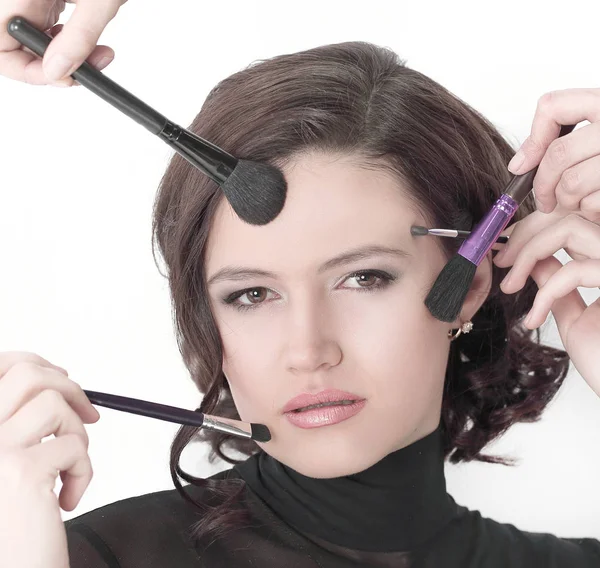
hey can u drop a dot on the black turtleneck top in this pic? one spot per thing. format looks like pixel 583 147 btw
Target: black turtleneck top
pixel 396 514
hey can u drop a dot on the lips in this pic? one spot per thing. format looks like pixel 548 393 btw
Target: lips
pixel 323 399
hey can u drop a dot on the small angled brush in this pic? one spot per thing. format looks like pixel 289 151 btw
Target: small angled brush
pixel 255 190
pixel 448 293
pixel 248 430
pixel 418 231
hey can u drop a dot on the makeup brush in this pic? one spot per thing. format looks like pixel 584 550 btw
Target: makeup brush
pixel 448 293
pixel 255 190
pixel 418 231
pixel 248 430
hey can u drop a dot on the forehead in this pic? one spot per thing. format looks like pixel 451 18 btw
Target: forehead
pixel 332 204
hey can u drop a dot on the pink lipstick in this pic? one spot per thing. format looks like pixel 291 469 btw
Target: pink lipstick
pixel 322 409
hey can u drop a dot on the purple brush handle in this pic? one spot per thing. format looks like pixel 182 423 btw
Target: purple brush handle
pixel 485 234
pixel 483 237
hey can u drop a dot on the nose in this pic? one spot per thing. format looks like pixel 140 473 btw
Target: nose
pixel 312 342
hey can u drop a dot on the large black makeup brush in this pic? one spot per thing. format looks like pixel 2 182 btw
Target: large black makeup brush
pixel 255 190
pixel 448 293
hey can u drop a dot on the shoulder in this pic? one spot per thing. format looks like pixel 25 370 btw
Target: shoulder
pixel 145 530
pixel 483 538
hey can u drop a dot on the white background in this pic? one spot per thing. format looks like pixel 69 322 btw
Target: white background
pixel 78 284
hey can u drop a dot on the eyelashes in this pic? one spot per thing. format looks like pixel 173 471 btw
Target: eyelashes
pixel 383 280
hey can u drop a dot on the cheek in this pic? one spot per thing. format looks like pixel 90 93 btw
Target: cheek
pixel 248 364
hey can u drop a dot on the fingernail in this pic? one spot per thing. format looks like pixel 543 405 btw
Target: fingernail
pixel 57 66
pixel 103 63
pixel 517 161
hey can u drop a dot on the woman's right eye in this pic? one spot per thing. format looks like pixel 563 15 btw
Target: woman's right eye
pixel 256 296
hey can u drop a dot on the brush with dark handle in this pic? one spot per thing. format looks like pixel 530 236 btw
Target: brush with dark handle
pixel 214 162
pixel 255 190
pixel 521 185
pixel 257 432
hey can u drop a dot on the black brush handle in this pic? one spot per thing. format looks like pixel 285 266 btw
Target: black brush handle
pixel 91 78
pixel 145 408
pixel 209 158
pixel 520 186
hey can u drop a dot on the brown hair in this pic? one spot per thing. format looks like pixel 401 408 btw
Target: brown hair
pixel 360 99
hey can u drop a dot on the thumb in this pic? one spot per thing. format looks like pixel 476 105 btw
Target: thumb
pixel 76 41
pixel 530 154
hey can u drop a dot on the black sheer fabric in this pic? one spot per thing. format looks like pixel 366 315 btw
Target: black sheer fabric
pixel 395 514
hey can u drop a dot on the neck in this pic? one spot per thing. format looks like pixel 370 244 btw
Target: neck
pixel 396 504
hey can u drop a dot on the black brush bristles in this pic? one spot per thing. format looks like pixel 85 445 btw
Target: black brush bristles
pixel 448 293
pixel 256 191
pixel 418 231
pixel 260 433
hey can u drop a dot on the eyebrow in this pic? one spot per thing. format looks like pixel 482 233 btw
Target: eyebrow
pixel 360 253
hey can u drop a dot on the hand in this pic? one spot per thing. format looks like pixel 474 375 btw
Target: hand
pixel 569 166
pixel 76 43
pixel 38 400
pixel 532 244
pixel 567 187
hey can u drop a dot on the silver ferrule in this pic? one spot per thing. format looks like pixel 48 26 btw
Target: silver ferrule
pixel 444 232
pixel 227 426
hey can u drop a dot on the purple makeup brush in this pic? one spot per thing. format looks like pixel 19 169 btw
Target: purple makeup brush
pixel 448 293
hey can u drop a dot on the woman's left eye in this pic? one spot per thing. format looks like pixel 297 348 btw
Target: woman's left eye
pixel 370 279
pixel 367 280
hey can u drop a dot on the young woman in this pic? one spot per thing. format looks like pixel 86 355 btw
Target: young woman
pixel 314 325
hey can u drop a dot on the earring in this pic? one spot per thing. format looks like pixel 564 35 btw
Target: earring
pixel 464 328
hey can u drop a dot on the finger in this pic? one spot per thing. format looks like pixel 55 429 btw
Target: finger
pixel 27 67
pixel 558 292
pixel 25 380
pixel 66 454
pixel 581 236
pixel 10 358
pixel 69 49
pixel 46 414
pixel 560 166
pixel 590 207
pixel 554 109
pixel 578 182
pixel 522 233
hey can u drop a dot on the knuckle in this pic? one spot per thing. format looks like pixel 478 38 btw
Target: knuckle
pixel 52 399
pixel 570 181
pixel 573 227
pixel 531 146
pixel 558 152
pixel 25 373
pixel 78 443
pixel 546 101
pixel 86 34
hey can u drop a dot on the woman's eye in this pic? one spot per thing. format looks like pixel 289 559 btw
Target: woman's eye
pixel 365 280
pixel 368 279
pixel 255 296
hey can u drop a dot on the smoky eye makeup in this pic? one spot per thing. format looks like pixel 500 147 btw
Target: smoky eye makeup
pixel 361 281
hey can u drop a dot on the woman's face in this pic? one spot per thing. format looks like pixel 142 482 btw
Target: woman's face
pixel 329 297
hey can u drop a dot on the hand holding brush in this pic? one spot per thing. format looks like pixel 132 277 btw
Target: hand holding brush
pixel 448 293
pixel 42 434
pixel 256 191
